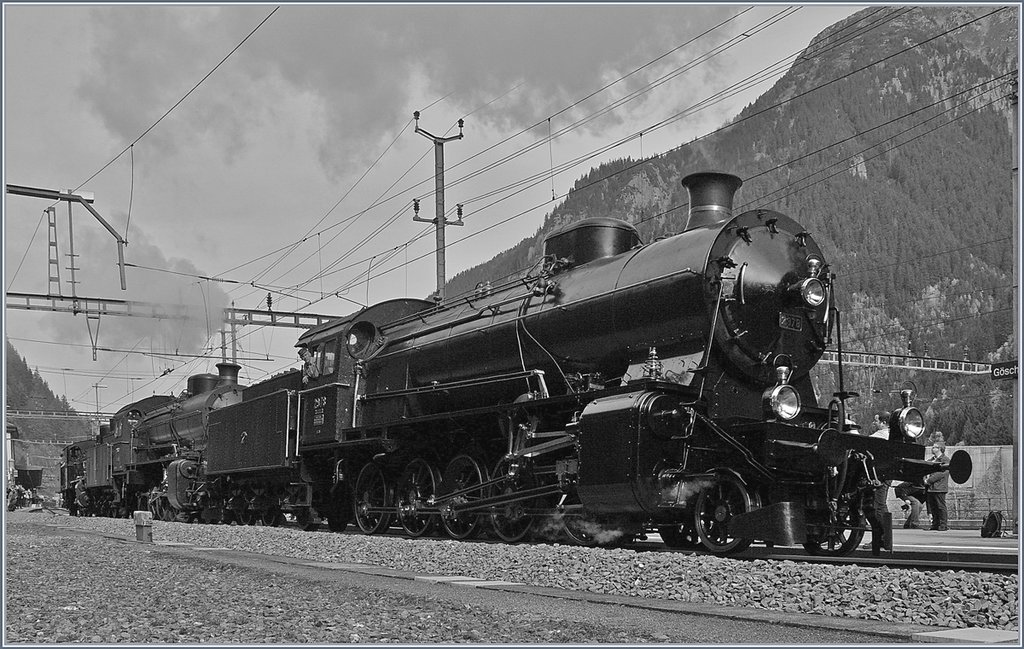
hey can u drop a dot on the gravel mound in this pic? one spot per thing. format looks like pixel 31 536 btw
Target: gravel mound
pixel 154 597
pixel 945 599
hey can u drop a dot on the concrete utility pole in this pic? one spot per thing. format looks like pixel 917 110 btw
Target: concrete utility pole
pixel 439 220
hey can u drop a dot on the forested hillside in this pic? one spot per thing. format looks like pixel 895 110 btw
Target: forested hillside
pixel 890 139
pixel 26 390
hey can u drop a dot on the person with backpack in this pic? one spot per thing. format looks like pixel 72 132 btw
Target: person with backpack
pixel 937 485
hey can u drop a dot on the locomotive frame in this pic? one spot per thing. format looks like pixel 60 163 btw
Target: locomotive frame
pixel 615 389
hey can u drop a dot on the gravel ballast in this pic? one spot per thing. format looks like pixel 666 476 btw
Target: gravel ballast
pixel 955 599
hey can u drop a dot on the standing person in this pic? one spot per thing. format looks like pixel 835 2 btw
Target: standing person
pixel 937 484
pixel 876 508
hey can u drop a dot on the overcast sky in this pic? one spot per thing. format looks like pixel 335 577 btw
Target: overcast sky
pixel 291 168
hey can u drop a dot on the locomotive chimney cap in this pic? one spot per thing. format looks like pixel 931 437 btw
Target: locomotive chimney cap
pixel 228 373
pixel 711 195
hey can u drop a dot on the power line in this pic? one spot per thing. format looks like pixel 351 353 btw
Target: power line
pixel 406 244
pixel 178 103
pixel 857 32
pixel 142 135
pixel 380 201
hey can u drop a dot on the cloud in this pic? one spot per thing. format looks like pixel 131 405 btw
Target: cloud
pixel 367 66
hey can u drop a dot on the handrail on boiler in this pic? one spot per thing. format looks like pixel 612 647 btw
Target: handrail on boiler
pixel 469 383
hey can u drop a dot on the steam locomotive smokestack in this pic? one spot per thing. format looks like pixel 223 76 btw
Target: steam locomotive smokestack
pixel 228 373
pixel 711 195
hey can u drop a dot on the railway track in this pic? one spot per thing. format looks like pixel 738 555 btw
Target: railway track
pixel 910 558
pixel 964 556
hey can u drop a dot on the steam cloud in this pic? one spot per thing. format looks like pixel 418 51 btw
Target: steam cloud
pixel 203 302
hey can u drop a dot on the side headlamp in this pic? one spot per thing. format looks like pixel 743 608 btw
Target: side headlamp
pixel 812 292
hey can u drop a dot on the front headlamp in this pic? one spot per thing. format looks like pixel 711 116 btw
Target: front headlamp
pixel 783 401
pixel 911 422
pixel 908 419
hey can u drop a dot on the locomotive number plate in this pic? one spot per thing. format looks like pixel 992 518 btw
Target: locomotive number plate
pixel 791 322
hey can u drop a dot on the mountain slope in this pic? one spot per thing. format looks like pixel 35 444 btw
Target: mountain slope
pixel 894 130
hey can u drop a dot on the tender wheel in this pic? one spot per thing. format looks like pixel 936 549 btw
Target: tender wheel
pixel 717 504
pixel 461 474
pixel 419 483
pixel 511 522
pixel 371 500
pixel 682 536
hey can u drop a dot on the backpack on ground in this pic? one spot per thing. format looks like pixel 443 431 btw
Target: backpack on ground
pixel 992 526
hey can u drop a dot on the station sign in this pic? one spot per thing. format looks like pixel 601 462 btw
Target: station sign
pixel 1005 370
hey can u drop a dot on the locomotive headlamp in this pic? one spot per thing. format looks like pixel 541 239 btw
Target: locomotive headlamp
pixel 782 401
pixel 812 291
pixel 911 422
pixel 908 419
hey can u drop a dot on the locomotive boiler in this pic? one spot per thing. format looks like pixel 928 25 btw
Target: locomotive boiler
pixel 613 389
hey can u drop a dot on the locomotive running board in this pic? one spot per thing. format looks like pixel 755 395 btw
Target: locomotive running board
pixel 779 524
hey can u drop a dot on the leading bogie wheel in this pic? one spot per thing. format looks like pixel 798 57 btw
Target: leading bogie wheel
pixel 840 539
pixel 717 504
pixel 371 500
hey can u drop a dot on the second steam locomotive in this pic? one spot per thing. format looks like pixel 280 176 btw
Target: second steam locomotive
pixel 615 389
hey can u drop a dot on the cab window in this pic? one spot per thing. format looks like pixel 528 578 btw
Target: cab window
pixel 328 358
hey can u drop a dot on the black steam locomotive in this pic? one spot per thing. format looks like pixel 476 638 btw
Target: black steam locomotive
pixel 615 389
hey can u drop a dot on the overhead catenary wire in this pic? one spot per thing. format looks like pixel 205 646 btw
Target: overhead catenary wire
pixel 143 134
pixel 179 102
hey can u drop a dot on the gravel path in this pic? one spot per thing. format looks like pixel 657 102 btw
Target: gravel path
pixel 943 599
